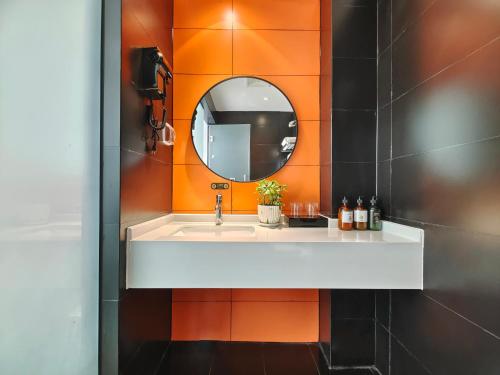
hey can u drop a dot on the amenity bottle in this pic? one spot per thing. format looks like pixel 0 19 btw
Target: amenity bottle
pixel 345 216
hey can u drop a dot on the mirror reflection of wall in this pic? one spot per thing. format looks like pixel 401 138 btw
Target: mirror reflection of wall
pixel 244 129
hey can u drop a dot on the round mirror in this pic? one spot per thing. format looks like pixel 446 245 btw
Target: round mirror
pixel 244 129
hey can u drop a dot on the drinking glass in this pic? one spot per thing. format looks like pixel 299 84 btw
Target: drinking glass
pixel 312 209
pixel 296 209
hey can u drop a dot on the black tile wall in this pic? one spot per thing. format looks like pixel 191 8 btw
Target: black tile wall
pixel 353 30
pixel 455 107
pixel 438 168
pixel 445 184
pixel 347 325
pixel 354 83
pixel 353 304
pixel 351 327
pixel 404 72
pixel 384 187
pixel 384 25
pixel 384 133
pixel 355 134
pixel 353 180
pixel 384 77
pixel 406 12
pixel 354 100
pixel 353 342
pixel 441 41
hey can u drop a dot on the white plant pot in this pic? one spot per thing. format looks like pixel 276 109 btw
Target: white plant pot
pixel 269 214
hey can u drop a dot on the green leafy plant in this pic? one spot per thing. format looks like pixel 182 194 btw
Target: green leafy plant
pixel 270 193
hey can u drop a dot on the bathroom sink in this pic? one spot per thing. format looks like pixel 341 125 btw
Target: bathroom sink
pixel 217 231
pixel 190 251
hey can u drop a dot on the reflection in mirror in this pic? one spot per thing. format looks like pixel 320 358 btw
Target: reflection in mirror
pixel 244 129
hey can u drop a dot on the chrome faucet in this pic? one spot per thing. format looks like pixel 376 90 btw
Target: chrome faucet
pixel 218 209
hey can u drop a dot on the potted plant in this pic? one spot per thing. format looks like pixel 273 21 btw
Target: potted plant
pixel 270 195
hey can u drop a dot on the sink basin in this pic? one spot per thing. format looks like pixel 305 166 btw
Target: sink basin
pixel 190 251
pixel 222 231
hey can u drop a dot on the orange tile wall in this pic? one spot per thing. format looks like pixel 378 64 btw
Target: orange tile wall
pixel 279 41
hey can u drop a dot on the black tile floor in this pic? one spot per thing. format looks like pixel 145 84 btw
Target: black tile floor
pixel 230 358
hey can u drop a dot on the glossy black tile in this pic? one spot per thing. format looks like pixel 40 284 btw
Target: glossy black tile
pixel 384 133
pixel 382 307
pixel 238 359
pixel 357 3
pixel 457 106
pixel 445 128
pixel 353 342
pixel 187 358
pixel 437 30
pixel 354 136
pixel 404 362
pixel 353 304
pixel 443 184
pixel 405 74
pixel 352 180
pixel 148 359
pixel 354 84
pixel 443 341
pixel 384 88
pixel 384 187
pixel 354 30
pixel 461 271
pixel 289 359
pixel 382 347
pixel 384 24
pixel 406 12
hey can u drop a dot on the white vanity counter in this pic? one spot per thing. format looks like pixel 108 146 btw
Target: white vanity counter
pixel 190 251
